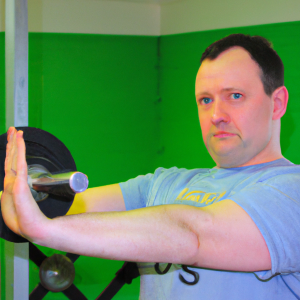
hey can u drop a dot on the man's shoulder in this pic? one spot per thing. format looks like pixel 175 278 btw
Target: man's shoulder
pixel 281 175
pixel 282 168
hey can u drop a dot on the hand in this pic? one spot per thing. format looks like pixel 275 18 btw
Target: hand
pixel 20 211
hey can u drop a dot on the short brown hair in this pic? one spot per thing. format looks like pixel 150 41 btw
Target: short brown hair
pixel 260 50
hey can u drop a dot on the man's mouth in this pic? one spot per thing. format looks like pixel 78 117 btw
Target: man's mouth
pixel 223 134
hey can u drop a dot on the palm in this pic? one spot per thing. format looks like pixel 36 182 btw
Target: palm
pixel 7 206
pixel 19 209
pixel 7 203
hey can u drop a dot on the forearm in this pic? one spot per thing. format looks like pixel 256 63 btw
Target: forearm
pixel 156 234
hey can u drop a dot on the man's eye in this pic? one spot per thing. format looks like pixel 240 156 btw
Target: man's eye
pixel 236 95
pixel 206 100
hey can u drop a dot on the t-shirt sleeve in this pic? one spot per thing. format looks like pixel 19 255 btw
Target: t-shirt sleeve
pixel 136 191
pixel 274 206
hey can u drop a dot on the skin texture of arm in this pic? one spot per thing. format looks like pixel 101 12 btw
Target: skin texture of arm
pixel 220 236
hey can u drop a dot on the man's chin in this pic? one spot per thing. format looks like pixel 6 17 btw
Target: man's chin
pixel 227 158
pixel 227 164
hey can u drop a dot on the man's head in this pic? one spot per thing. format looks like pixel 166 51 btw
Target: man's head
pixel 239 107
pixel 260 50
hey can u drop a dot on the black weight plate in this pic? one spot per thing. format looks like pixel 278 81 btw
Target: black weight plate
pixel 44 149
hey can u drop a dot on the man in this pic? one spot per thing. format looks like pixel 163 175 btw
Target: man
pixel 236 225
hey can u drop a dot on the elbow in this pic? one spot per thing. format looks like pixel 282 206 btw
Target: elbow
pixel 191 224
pixel 200 228
pixel 193 250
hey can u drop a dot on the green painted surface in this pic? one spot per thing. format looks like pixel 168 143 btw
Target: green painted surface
pixel 98 94
pixel 124 108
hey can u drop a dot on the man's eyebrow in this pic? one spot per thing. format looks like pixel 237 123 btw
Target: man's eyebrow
pixel 203 93
pixel 229 89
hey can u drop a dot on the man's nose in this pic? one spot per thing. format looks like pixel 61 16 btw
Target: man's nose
pixel 219 113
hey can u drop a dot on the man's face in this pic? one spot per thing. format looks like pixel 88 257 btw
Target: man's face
pixel 234 111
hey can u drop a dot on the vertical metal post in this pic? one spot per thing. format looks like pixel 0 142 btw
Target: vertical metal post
pixel 16 76
pixel 16 62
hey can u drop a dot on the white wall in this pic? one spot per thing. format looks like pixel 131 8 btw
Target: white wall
pixel 148 17
pixel 197 15
pixel 2 20
pixel 91 16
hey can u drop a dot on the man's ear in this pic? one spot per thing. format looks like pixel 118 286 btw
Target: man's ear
pixel 280 98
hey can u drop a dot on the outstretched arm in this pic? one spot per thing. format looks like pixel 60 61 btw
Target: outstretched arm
pixel 220 236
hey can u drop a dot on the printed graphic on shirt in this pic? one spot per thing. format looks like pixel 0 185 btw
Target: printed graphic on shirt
pixel 200 196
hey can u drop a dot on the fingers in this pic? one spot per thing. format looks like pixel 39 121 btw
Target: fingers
pixel 14 152
pixel 10 151
pixel 15 161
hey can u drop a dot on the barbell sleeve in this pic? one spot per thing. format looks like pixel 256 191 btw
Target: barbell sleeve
pixel 61 184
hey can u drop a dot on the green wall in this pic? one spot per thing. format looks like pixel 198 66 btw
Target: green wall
pixel 98 94
pixel 124 105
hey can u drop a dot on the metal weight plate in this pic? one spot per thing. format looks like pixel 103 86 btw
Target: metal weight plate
pixel 44 149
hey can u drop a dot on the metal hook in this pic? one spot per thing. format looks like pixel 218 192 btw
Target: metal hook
pixel 195 274
pixel 158 271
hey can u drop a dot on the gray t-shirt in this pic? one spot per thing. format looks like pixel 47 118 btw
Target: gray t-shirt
pixel 268 192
